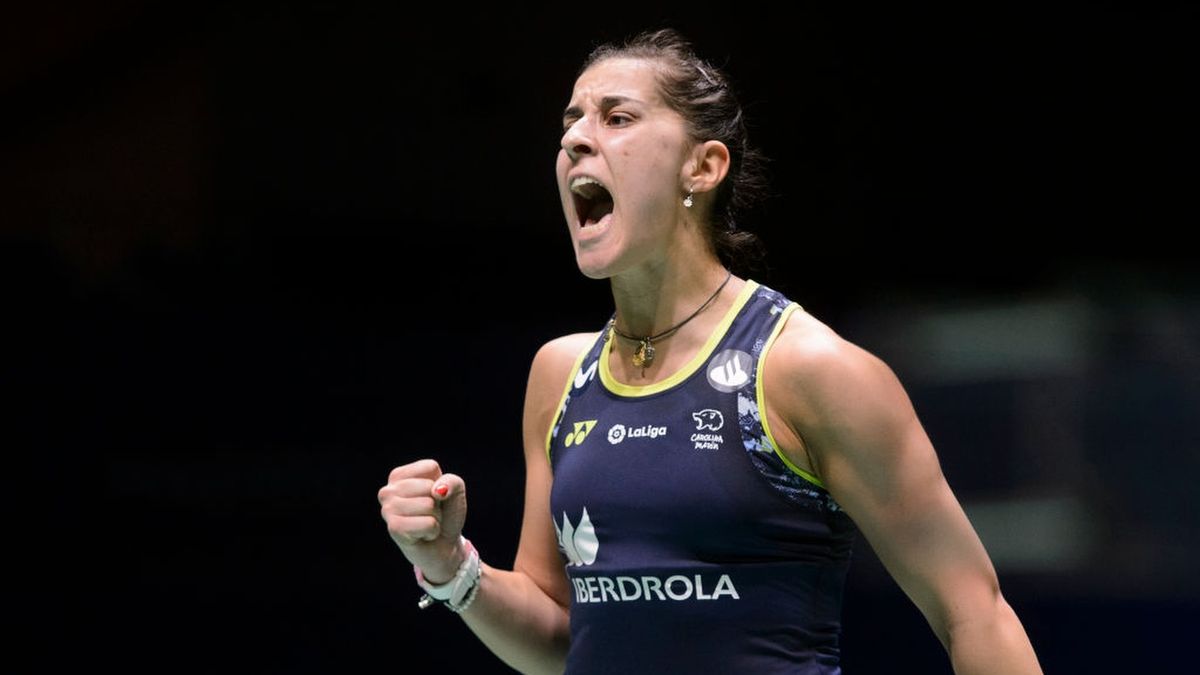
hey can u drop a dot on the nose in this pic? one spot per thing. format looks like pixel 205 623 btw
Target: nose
pixel 576 141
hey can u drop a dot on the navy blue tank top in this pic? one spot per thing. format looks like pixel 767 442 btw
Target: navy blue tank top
pixel 692 544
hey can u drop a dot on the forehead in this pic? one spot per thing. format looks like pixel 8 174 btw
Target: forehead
pixel 630 78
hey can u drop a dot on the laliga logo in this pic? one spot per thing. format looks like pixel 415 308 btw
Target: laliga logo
pixel 619 432
pixel 578 543
pixel 616 434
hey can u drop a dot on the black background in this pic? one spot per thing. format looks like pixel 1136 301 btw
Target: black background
pixel 256 256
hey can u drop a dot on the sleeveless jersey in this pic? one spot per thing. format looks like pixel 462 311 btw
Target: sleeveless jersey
pixel 692 544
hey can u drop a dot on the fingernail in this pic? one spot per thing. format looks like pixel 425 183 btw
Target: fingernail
pixel 441 490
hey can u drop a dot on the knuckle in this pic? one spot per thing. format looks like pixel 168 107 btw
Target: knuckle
pixel 394 526
pixel 430 467
pixel 408 530
pixel 419 468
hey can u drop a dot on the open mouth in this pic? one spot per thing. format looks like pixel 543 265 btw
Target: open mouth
pixel 593 201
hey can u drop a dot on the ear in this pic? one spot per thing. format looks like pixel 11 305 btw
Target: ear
pixel 707 168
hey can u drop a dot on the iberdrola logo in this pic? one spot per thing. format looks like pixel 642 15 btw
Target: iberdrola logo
pixel 579 543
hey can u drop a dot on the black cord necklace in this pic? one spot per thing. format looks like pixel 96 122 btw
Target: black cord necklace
pixel 644 354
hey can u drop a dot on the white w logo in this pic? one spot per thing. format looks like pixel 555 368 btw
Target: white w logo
pixel 727 370
pixel 578 543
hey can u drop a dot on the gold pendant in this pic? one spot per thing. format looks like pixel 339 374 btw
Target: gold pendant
pixel 643 355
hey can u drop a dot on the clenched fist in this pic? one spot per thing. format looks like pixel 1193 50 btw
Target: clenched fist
pixel 424 510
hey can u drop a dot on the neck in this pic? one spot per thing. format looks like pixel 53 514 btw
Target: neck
pixel 650 301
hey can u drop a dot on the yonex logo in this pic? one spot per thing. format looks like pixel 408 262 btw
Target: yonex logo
pixel 727 370
pixel 709 419
pixel 581 431
pixel 579 544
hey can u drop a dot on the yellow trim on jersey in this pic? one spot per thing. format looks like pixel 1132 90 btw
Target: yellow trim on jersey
pixel 692 366
pixel 762 401
pixel 566 390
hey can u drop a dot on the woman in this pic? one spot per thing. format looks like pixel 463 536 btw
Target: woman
pixel 696 470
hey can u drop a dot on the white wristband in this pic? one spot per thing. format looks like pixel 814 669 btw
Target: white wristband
pixel 458 592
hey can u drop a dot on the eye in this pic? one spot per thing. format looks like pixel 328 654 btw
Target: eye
pixel 619 119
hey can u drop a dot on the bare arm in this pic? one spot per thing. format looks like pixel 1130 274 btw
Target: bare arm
pixel 521 615
pixel 856 427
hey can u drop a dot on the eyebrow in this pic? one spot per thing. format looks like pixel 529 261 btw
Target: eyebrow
pixel 605 103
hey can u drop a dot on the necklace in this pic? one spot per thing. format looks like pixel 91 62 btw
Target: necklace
pixel 644 354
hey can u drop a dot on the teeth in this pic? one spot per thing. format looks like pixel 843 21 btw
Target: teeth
pixel 577 186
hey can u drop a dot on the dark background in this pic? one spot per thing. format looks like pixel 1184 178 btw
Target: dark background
pixel 256 256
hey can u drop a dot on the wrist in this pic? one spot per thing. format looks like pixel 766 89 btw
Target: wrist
pixel 459 592
pixel 441 573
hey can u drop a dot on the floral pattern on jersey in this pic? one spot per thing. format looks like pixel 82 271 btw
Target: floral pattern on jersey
pixel 562 412
pixel 762 455
pixel 754 437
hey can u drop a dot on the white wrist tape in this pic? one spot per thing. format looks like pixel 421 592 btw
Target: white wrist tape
pixel 458 592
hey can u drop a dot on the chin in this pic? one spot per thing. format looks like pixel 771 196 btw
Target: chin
pixel 592 270
pixel 592 265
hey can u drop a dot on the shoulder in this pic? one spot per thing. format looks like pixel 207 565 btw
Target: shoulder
pixel 549 375
pixel 844 407
pixel 808 348
pixel 554 360
pixel 558 355
pixel 817 378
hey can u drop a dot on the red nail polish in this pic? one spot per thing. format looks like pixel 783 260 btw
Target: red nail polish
pixel 441 490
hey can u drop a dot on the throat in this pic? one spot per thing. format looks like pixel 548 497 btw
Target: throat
pixel 600 208
pixel 597 213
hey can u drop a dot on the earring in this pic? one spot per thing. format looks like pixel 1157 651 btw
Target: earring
pixel 687 201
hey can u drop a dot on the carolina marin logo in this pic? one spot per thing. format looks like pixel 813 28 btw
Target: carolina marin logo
pixel 619 432
pixel 708 420
pixel 578 543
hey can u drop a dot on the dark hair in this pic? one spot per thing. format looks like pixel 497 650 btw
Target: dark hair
pixel 703 96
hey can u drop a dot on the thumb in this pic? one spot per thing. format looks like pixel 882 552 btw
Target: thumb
pixel 450 493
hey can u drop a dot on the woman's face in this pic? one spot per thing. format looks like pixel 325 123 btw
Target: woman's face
pixel 619 132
